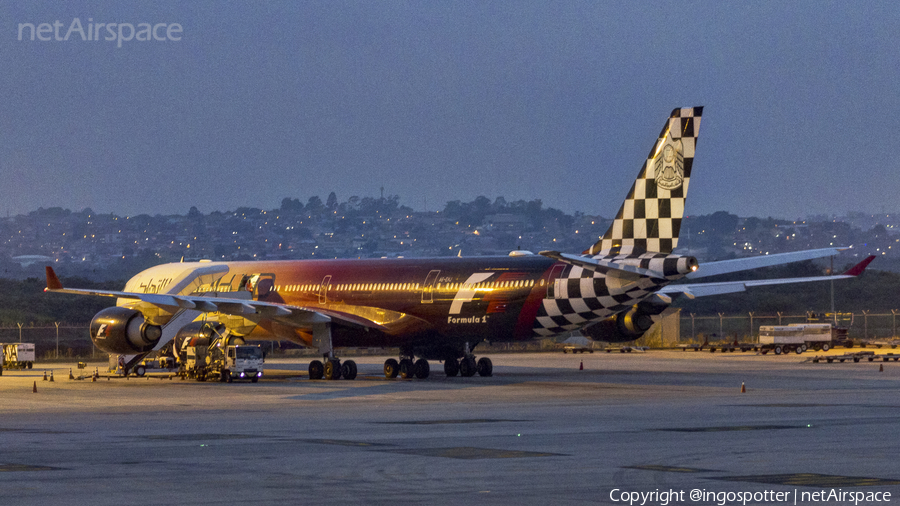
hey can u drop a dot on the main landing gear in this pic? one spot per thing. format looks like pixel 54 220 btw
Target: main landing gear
pixel 332 368
pixel 406 368
pixel 467 366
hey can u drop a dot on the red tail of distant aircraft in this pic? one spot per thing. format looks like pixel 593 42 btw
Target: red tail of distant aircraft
pixel 442 308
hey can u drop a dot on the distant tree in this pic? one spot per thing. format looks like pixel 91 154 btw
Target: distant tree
pixel 332 202
pixel 291 205
pixel 194 213
pixel 314 206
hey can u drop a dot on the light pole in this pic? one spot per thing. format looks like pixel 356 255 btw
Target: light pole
pixel 20 331
pixel 866 322
pixel 751 325
pixel 894 322
pixel 57 339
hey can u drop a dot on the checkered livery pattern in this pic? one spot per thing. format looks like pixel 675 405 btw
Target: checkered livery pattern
pixel 650 217
pixel 581 296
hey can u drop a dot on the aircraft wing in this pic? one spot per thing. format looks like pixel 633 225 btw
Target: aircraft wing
pixel 240 307
pixel 703 289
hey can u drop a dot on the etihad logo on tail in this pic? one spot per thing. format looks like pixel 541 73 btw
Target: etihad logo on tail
pixel 669 165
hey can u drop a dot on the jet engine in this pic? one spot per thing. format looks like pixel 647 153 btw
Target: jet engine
pixel 202 333
pixel 627 325
pixel 123 331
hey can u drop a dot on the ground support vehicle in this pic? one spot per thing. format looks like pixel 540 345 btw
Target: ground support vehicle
pixel 781 339
pixel 223 362
pixel 625 349
pixel 18 355
pixel 818 336
pixel 856 357
pixel 156 364
pixel 574 348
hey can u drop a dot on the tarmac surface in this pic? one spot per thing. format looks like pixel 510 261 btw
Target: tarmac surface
pixel 540 431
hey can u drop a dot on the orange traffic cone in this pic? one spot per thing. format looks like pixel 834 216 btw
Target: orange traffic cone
pixel 70 374
pixel 880 367
pixel 51 376
pixel 581 367
pixel 743 388
pixel 34 390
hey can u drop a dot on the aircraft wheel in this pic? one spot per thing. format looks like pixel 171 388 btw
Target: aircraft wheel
pixel 467 367
pixel 348 370
pixel 391 368
pixel 422 368
pixel 407 368
pixel 316 370
pixel 451 367
pixel 485 367
pixel 333 369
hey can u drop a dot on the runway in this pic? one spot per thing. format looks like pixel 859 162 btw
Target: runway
pixel 539 431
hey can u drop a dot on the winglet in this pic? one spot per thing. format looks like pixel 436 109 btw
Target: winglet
pixel 52 281
pixel 858 269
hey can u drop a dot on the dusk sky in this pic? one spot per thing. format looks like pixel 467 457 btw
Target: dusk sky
pixel 442 100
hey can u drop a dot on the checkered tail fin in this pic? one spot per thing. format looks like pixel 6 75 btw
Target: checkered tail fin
pixel 650 217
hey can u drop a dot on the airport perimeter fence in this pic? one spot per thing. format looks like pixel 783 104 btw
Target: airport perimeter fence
pixel 864 325
pixel 50 342
pixel 72 341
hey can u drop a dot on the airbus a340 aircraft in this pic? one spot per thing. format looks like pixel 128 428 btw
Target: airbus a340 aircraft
pixel 441 308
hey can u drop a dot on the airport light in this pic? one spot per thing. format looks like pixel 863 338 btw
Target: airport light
pixel 894 322
pixel 57 339
pixel 866 322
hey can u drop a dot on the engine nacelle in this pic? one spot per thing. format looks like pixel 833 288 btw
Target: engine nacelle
pixel 202 333
pixel 123 331
pixel 626 326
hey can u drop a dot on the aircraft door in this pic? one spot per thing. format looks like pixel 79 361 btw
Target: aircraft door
pixel 263 286
pixel 323 289
pixel 428 287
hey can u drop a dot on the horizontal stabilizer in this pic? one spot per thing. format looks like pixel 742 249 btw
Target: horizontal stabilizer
pixel 595 265
pixel 745 264
pixel 704 289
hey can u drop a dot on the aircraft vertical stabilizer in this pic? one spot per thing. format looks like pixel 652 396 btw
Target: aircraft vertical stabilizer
pixel 650 217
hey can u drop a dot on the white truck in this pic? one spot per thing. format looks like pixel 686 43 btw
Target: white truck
pixel 223 362
pixel 18 355
pixel 797 337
